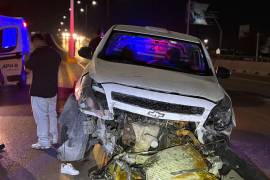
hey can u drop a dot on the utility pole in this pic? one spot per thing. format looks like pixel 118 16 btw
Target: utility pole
pixel 86 18
pixel 188 15
pixel 71 30
pixel 220 33
pixel 108 13
pixel 257 46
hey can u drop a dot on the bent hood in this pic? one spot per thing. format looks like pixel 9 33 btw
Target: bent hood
pixel 158 79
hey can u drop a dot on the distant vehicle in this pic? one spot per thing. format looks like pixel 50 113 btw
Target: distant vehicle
pixel 14 46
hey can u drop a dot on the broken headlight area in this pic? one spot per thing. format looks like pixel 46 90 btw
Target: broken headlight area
pixel 219 123
pixel 220 117
pixel 92 98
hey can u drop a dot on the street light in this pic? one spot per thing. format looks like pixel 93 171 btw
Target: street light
pixel 94 3
pixel 79 2
pixel 71 45
pixel 64 17
pixel 81 10
pixel 205 41
pixel 66 30
pixel 59 30
pixel 62 23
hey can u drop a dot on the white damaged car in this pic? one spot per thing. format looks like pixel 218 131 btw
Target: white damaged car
pixel 152 101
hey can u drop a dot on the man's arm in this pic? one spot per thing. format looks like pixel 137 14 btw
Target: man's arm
pixel 31 62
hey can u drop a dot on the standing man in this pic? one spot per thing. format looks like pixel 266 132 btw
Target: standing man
pixel 44 63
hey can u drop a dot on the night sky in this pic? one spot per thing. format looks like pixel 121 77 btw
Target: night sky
pixel 46 15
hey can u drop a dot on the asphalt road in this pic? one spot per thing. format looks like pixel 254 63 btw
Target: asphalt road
pixel 251 138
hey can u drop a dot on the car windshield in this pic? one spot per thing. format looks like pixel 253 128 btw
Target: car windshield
pixel 157 52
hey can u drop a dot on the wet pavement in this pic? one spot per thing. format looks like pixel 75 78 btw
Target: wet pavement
pixel 17 130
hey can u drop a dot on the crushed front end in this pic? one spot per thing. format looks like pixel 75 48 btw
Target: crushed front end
pixel 147 134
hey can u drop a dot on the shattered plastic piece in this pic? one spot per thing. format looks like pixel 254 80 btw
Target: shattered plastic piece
pixel 72 150
pixel 74 146
pixel 106 115
pixel 188 133
pixel 128 137
pixel 145 135
pixel 106 136
pixel 135 158
pixel 154 144
pixel 216 165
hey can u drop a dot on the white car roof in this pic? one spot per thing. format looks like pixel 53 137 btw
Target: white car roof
pixel 156 32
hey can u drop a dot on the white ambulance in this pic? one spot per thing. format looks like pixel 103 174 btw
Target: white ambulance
pixel 14 46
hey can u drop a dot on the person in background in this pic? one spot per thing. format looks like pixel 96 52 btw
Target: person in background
pixel 44 63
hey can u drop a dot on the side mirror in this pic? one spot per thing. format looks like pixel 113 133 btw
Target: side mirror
pixel 85 52
pixel 223 72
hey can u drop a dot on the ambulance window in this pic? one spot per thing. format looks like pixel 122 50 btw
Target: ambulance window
pixel 8 39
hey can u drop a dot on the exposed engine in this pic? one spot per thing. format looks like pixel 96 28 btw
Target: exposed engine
pixel 138 146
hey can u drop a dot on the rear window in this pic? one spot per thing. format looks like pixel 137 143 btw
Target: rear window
pixel 157 52
pixel 8 39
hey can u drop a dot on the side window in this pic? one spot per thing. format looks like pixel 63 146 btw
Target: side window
pixel 8 39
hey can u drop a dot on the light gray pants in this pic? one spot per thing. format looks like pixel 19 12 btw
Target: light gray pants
pixel 44 112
